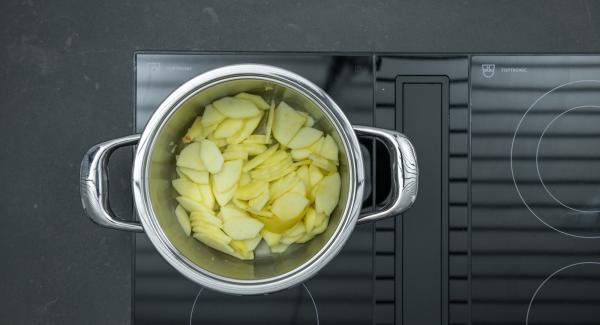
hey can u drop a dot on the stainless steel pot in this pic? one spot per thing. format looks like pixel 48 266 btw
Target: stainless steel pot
pixel 153 170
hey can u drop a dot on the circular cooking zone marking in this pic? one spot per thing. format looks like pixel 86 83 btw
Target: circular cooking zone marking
pixel 295 305
pixel 555 158
pixel 570 295
pixel 537 160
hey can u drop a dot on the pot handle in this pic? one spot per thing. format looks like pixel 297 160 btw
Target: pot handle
pixel 405 172
pixel 93 184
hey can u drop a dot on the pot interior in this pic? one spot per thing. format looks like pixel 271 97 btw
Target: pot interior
pixel 161 171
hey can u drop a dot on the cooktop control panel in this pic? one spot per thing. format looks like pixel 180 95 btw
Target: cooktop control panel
pixel 506 226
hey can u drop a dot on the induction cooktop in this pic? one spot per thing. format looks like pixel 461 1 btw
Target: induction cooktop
pixel 506 226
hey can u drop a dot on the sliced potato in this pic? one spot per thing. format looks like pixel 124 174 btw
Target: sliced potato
pixel 297 230
pixel 306 137
pixel 286 123
pixel 276 158
pixel 257 139
pixel 190 157
pixel 257 100
pixel 271 238
pixel 309 121
pixel 305 162
pixel 228 176
pixel 220 143
pixel 228 128
pixel 230 212
pixel 190 205
pixel 242 250
pixel 254 162
pixel 304 176
pixel 300 154
pixel 316 147
pixel 214 232
pixel 290 237
pixel 198 177
pixel 283 193
pixel 310 220
pixel 210 241
pixel 224 197
pixel 264 172
pixel 315 175
pixel 319 217
pixel 299 188
pixel 183 219
pixel 274 224
pixel 241 228
pixel 251 190
pixel 241 204
pixel 244 255
pixel 273 172
pixel 211 116
pixel 211 156
pixel 234 155
pixel 289 206
pixel 327 195
pixel 245 248
pixel 187 188
pixel 329 149
pixel 206 216
pixel 270 117
pixel 240 246
pixel 252 149
pixel 208 198
pixel 307 236
pixel 261 213
pixel 279 248
pixel 260 201
pixel 236 108
pixel 249 126
pixel 245 179
pixel 280 186
pixel 321 228
pixel 313 191
pixel 322 163
pixel 290 169
pixel 287 240
pixel 201 226
pixel 253 242
pixel 195 131
pixel 207 132
pixel 180 174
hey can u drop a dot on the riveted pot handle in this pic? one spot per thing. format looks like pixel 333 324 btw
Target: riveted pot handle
pixel 404 172
pixel 93 184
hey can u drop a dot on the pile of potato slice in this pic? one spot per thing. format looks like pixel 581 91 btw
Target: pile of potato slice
pixel 240 183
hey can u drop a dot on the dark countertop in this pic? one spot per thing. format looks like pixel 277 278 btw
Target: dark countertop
pixel 66 79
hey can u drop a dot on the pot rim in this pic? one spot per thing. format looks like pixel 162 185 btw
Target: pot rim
pixel 173 102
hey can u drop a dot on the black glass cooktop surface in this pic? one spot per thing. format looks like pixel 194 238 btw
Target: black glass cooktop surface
pixel 535 218
pixel 342 293
pixel 506 226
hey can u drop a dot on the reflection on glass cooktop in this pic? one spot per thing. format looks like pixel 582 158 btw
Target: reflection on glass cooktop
pixel 342 293
pixel 535 219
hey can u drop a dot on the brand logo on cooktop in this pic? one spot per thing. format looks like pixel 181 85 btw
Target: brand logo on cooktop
pixel 488 70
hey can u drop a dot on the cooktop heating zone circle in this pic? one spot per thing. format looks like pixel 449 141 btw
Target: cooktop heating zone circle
pixel 570 295
pixel 291 306
pixel 555 158
pixel 537 159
